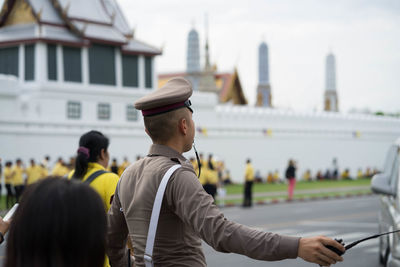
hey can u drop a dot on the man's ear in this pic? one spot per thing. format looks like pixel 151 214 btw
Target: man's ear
pixel 183 126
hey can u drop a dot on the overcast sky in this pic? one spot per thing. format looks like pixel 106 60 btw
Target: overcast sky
pixel 363 35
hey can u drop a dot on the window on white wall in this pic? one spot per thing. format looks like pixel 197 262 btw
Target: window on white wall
pixel 148 69
pixel 131 113
pixel 73 110
pixel 103 111
pixel 101 64
pixel 72 64
pixel 52 62
pixel 9 60
pixel 130 70
pixel 29 62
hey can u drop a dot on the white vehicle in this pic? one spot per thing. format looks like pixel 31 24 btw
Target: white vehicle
pixel 387 184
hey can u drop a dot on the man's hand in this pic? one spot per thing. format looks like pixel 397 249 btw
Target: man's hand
pixel 312 249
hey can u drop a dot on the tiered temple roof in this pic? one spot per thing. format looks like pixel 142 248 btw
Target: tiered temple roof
pixel 227 83
pixel 70 22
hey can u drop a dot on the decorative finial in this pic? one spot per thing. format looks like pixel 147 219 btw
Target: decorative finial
pixel 162 47
pixel 207 52
pixel 113 15
pixel 84 27
pixel 133 31
pixel 66 8
pixel 39 14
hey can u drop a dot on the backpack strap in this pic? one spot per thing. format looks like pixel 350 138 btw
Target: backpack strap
pixel 155 214
pixel 93 176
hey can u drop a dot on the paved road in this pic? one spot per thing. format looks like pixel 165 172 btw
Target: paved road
pixel 350 219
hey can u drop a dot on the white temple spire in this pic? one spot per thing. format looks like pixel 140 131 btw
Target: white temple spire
pixel 330 95
pixel 264 87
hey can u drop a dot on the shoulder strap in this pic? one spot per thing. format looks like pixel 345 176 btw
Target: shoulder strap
pixel 93 176
pixel 155 214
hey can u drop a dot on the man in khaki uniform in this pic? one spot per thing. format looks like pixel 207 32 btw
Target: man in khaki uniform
pixel 187 212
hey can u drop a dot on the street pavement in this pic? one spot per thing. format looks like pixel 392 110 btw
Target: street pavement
pixel 349 218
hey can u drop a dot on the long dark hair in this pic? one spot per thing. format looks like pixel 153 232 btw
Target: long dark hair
pixel 90 146
pixel 59 222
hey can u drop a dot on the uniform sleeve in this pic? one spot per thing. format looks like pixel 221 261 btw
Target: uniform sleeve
pixel 117 232
pixel 195 208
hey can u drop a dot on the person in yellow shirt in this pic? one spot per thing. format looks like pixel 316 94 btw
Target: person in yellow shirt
pixel 270 178
pixel 203 170
pixel 276 176
pixel 211 177
pixel 248 186
pixel 307 175
pixel 18 178
pixel 8 181
pixel 346 174
pixel 60 169
pixel 113 167
pixel 46 163
pixel 92 156
pixel 90 167
pixel 123 166
pixel 35 173
pixel 359 174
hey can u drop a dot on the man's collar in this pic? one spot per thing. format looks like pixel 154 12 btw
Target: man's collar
pixel 166 151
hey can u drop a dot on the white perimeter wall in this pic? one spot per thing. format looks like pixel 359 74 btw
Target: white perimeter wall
pixel 269 137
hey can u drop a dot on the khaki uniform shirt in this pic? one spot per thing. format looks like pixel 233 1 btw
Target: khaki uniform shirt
pixel 187 216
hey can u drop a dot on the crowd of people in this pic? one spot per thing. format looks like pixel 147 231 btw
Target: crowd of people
pixel 307 175
pixel 212 173
pixel 17 175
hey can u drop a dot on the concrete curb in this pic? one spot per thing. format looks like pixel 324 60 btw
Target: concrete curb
pixel 296 200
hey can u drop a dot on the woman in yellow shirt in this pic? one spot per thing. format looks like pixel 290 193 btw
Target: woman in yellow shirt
pixel 92 157
pixel 90 167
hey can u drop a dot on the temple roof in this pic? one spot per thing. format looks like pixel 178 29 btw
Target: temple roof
pixel 16 34
pixel 137 46
pixel 77 21
pixel 227 83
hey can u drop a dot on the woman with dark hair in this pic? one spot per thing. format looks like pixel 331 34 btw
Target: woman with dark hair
pixel 91 163
pixel 58 223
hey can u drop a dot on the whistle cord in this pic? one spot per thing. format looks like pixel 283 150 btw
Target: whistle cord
pixel 197 157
